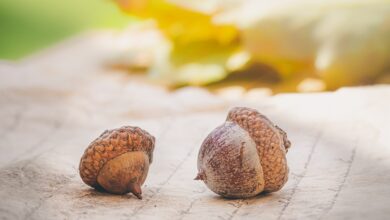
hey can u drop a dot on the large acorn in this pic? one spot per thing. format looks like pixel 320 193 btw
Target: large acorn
pixel 244 156
pixel 118 160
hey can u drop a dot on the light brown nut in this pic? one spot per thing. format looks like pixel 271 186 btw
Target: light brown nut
pixel 225 172
pixel 227 165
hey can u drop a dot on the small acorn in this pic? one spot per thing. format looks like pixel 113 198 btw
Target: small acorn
pixel 244 156
pixel 118 160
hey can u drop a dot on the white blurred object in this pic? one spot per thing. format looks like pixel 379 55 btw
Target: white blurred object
pixel 136 47
pixel 343 42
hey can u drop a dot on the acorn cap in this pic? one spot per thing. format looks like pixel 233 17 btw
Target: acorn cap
pixel 271 143
pixel 110 144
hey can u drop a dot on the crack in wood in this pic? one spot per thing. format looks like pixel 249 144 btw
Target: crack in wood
pixel 240 203
pixel 136 211
pixel 192 203
pixel 189 153
pixel 187 211
pixel 300 177
pixel 345 177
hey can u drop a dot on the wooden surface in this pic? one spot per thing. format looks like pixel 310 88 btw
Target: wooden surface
pixel 54 103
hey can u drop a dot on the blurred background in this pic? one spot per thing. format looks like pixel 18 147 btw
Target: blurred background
pixel 30 25
pixel 280 46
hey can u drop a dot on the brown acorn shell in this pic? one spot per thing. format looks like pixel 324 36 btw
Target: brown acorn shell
pixel 272 145
pixel 110 144
pixel 228 162
pixel 125 173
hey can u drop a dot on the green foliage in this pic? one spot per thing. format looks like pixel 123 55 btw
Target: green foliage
pixel 28 25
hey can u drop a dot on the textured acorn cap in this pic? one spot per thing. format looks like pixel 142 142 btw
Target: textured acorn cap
pixel 271 142
pixel 111 144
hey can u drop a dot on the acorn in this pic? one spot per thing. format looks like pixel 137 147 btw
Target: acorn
pixel 118 160
pixel 244 156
